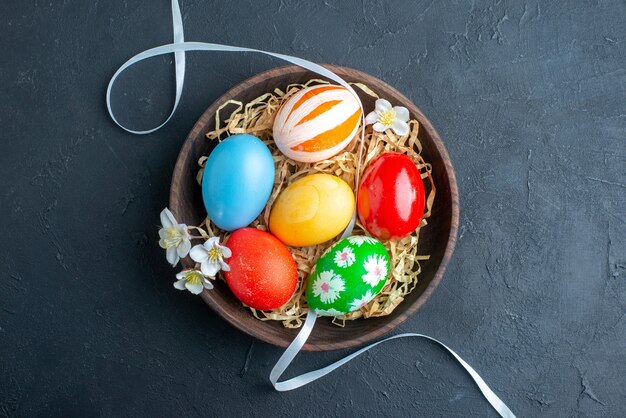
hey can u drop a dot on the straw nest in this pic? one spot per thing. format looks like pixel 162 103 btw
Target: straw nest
pixel 256 118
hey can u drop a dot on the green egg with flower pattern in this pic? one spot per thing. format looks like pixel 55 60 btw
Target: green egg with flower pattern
pixel 348 276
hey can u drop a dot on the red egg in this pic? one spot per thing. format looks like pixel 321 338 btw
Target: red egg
pixel 263 274
pixel 391 197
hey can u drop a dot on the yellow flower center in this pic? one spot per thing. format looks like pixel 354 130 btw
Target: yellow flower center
pixel 172 238
pixel 387 117
pixel 215 254
pixel 194 278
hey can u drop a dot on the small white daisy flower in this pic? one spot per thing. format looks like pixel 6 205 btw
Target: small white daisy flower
pixel 174 238
pixel 376 267
pixel 328 312
pixel 359 240
pixel 385 117
pixel 211 256
pixel 344 258
pixel 192 280
pixel 328 286
pixel 358 303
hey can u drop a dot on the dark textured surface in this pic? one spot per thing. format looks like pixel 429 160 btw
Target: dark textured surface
pixel 530 100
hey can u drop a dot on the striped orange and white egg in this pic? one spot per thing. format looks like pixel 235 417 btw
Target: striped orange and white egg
pixel 316 123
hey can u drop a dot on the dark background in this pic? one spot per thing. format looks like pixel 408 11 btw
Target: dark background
pixel 530 99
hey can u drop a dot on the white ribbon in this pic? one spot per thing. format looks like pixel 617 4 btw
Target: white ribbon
pixel 306 378
pixel 178 48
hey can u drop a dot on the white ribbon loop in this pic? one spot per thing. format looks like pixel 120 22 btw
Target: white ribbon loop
pixel 179 47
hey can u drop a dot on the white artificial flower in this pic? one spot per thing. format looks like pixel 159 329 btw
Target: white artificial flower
pixel 344 258
pixel 359 240
pixel 327 286
pixel 376 267
pixel 211 256
pixel 385 116
pixel 192 280
pixel 328 312
pixel 358 303
pixel 174 238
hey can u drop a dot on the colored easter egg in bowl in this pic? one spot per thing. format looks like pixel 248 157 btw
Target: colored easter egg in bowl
pixel 348 276
pixel 263 274
pixel 237 181
pixel 436 240
pixel 390 201
pixel 312 210
pixel 316 123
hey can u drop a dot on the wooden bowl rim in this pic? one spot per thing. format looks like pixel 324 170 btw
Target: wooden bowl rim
pixel 366 79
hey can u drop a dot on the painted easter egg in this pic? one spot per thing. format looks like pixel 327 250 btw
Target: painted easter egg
pixel 390 201
pixel 237 181
pixel 312 210
pixel 316 123
pixel 263 274
pixel 348 276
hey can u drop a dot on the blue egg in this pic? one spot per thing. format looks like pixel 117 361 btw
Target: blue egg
pixel 237 181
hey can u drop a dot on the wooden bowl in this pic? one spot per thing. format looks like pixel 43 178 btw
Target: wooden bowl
pixel 437 239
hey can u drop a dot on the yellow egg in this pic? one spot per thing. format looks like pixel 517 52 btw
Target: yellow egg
pixel 312 210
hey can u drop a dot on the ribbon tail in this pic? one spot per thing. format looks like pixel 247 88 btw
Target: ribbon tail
pixel 306 378
pixel 290 353
pixel 179 57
